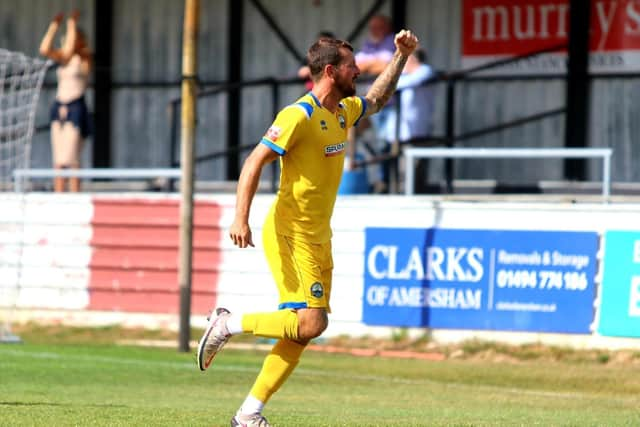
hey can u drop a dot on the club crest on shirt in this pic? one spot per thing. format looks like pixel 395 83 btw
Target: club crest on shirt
pixel 317 290
pixel 334 149
pixel 273 133
pixel 323 125
pixel 342 122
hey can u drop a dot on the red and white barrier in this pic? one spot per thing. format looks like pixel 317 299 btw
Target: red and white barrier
pixel 114 258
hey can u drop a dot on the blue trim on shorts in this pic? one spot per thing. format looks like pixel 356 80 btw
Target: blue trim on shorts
pixel 292 305
pixel 273 146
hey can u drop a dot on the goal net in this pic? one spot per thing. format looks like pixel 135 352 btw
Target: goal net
pixel 21 79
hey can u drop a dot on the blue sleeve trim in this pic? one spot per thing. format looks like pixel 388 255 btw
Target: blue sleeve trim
pixel 308 108
pixel 273 146
pixel 364 110
pixel 292 305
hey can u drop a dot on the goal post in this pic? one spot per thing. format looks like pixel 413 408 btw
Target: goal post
pixel 21 79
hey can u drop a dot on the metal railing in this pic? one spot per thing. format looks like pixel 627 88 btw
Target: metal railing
pixel 413 153
pixel 452 78
pixel 21 176
pixel 174 109
pixel 449 139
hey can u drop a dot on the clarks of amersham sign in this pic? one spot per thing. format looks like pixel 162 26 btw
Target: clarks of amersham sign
pixel 498 29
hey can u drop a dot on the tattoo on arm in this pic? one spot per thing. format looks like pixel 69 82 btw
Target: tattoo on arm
pixel 384 86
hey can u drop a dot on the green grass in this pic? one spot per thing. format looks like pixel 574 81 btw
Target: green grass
pixel 55 380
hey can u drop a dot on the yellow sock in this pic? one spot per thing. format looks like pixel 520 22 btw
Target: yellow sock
pixel 278 324
pixel 277 367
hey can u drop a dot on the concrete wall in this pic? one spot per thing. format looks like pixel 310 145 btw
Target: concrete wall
pixel 96 259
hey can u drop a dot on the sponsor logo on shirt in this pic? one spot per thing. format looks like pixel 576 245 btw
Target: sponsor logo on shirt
pixel 273 133
pixel 333 150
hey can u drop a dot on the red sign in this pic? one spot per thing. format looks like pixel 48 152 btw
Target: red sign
pixel 494 29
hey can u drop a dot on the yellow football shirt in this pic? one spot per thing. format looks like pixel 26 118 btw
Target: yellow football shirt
pixel 311 142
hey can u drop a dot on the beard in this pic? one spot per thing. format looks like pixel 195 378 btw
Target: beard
pixel 346 88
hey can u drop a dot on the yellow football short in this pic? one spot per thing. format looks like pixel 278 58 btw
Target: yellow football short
pixel 302 270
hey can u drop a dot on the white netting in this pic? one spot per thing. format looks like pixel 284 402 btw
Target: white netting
pixel 21 79
pixel 20 82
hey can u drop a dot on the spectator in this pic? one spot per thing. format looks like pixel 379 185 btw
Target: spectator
pixel 416 111
pixel 378 48
pixel 70 121
pixel 304 72
pixel 372 58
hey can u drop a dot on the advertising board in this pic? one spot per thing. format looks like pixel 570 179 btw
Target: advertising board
pixel 480 279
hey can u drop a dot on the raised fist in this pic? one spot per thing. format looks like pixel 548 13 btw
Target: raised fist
pixel 406 42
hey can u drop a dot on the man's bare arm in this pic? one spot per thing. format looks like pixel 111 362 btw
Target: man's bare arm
pixel 384 86
pixel 240 232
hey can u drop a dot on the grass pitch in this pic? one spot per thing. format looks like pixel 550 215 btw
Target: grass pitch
pixel 68 382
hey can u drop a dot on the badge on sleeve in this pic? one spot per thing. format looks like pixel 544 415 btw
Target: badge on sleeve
pixel 316 290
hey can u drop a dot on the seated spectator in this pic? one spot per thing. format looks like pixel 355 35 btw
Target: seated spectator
pixel 378 48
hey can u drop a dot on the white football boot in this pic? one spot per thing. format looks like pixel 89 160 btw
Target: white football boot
pixel 253 420
pixel 215 337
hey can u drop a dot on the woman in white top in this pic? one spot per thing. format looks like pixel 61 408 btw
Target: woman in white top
pixel 70 120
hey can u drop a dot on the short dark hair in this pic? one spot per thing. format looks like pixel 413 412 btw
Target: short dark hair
pixel 323 52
